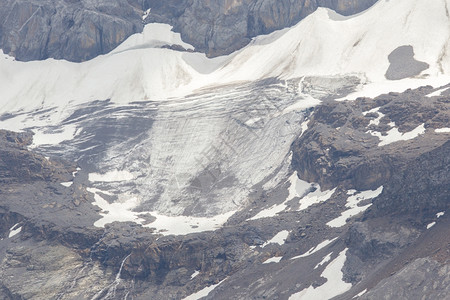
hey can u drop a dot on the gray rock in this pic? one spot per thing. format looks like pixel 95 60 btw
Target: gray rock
pixel 337 149
pixel 80 30
pixel 403 64
pixel 424 278
pixel 72 30
pixel 370 241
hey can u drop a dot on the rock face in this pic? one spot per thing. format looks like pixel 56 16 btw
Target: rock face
pixel 342 147
pixel 18 165
pixel 403 65
pixel 81 30
pixel 423 275
pixel 72 29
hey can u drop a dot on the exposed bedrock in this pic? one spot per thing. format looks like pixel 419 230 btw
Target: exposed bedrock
pixel 410 159
pixel 423 276
pixel 71 29
pixel 79 30
pixel 18 165
pixel 403 65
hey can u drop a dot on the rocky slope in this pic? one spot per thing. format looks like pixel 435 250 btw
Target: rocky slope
pixel 344 148
pixel 265 185
pixel 81 30
pixel 61 255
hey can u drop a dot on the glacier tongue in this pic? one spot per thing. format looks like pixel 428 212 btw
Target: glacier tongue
pixel 204 156
pixel 195 156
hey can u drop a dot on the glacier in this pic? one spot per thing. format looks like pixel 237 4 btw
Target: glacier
pixel 196 136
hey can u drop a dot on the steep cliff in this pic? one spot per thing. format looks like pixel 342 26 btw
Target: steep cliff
pixel 73 30
pixel 80 30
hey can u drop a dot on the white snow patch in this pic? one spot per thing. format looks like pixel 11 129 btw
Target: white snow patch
pixel 375 121
pixel 298 187
pixel 325 259
pixel 373 110
pixel 137 70
pixel 440 214
pixel 181 225
pixel 119 211
pixel 203 293
pixel 204 65
pixel 275 259
pixel 111 176
pixel 431 225
pixel 351 192
pixel 74 173
pixel 327 44
pixel 374 89
pixel 302 105
pixel 443 130
pixel 14 231
pixel 334 286
pixel 394 135
pixel 315 197
pixel 304 127
pixel 154 35
pixel 122 211
pixel 195 274
pixel 360 294
pixel 5 56
pixel 270 212
pixel 438 92
pixel 315 249
pixel 145 14
pixel 354 209
pixel 279 238
pixel 67 184
pixel 67 132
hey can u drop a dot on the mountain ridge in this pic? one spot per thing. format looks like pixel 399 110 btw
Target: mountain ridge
pixel 81 30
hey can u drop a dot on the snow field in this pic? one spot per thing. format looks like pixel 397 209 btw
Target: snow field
pixel 322 44
pixel 279 238
pixel 335 285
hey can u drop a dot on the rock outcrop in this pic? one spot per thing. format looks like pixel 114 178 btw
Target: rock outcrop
pixel 18 165
pixel 342 147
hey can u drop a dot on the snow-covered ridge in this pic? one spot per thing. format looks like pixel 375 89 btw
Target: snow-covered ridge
pixel 322 44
